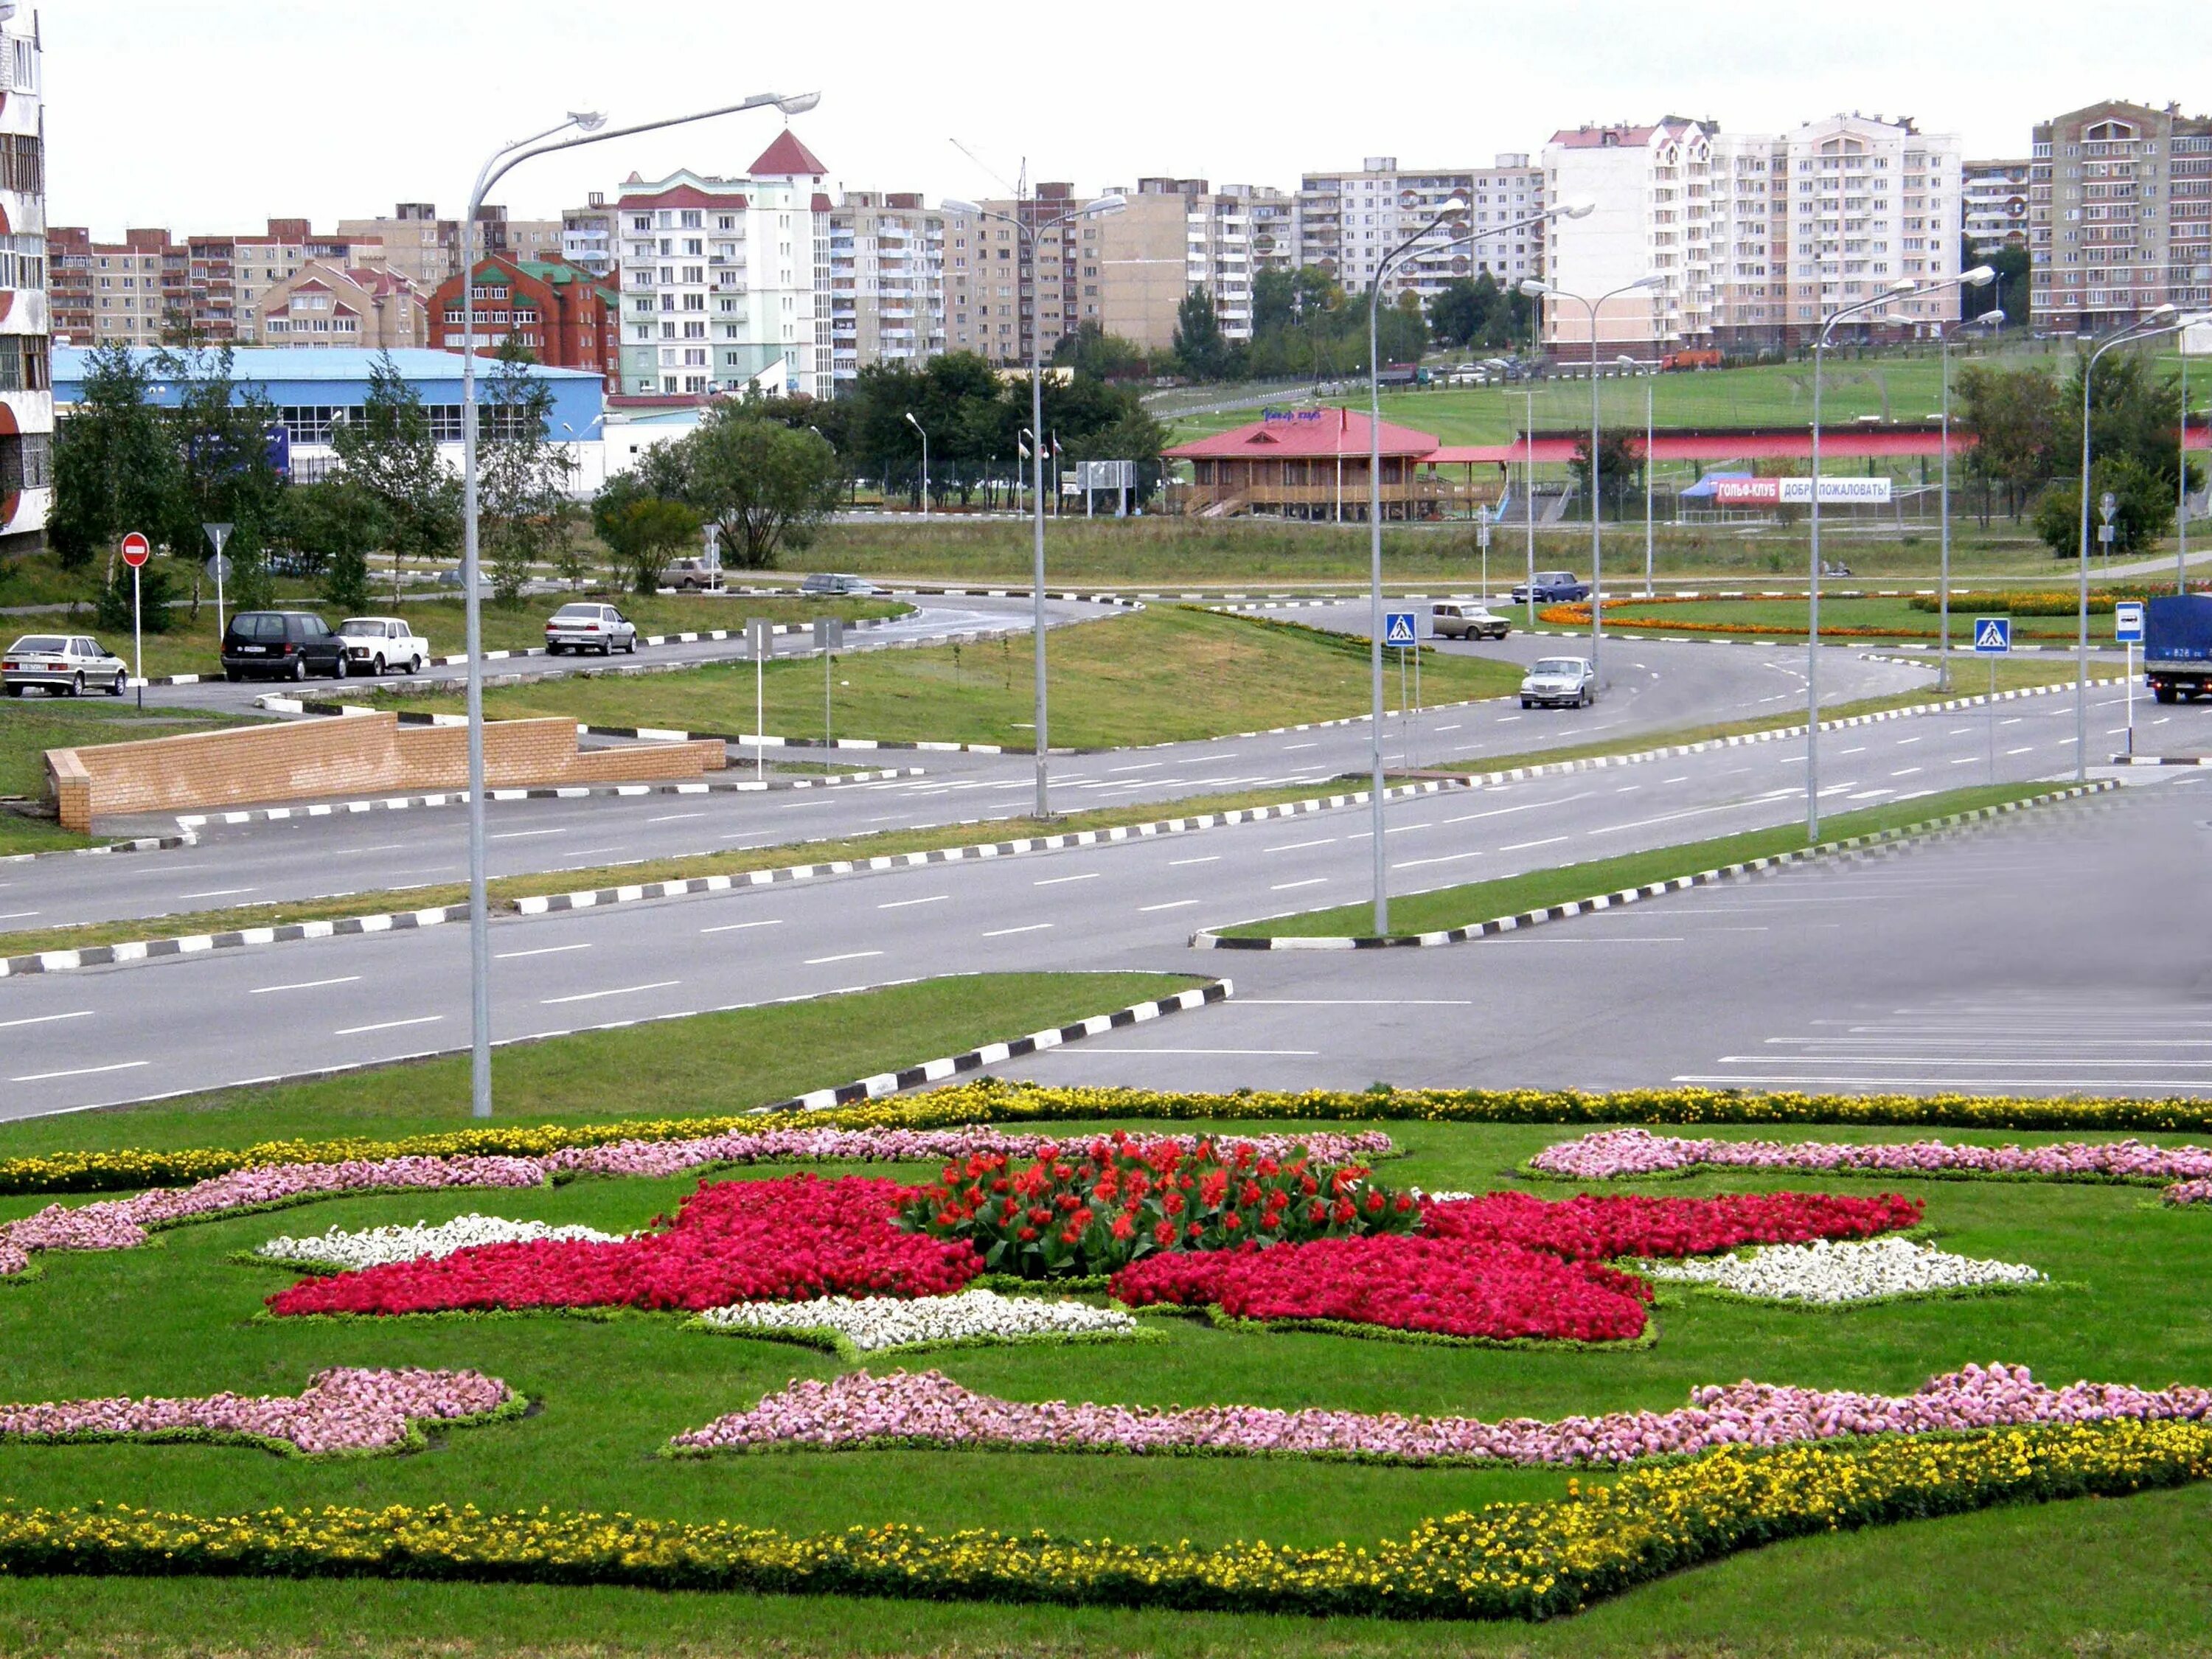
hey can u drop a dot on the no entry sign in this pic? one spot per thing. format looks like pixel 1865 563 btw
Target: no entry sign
pixel 136 549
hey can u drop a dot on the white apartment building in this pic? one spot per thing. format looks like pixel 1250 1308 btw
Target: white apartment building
pixel 1346 223
pixel 27 398
pixel 590 239
pixel 887 288
pixel 1993 205
pixel 721 278
pixel 1754 237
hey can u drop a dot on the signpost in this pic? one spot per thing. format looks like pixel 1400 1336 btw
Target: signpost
pixel 1402 628
pixel 2128 630
pixel 2108 504
pixel 828 640
pixel 218 533
pixel 136 549
pixel 1482 539
pixel 760 634
pixel 1993 639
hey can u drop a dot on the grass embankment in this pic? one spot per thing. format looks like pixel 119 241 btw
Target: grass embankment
pixel 1167 674
pixel 1482 901
pixel 1869 619
pixel 29 725
pixel 191 645
pixel 2109 1576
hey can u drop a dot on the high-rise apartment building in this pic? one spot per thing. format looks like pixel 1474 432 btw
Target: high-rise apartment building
pixel 886 283
pixel 2119 215
pixel 27 398
pixel 721 278
pixel 1347 222
pixel 588 238
pixel 1993 197
pixel 150 288
pixel 1750 240
pixel 426 250
pixel 122 292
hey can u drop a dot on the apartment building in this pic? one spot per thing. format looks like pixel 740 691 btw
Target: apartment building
pixel 121 292
pixel 563 316
pixel 1345 223
pixel 887 296
pixel 1751 240
pixel 27 399
pixel 2119 215
pixel 426 249
pixel 588 237
pixel 1993 205
pixel 365 307
pixel 721 278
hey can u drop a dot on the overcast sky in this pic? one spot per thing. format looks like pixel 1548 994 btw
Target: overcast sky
pixel 216 114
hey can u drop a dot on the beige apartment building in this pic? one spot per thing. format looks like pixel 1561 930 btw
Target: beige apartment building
pixel 426 250
pixel 364 307
pixel 2119 215
pixel 1347 222
pixel 149 286
pixel 887 294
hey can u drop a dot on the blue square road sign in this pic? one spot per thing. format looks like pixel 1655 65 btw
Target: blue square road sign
pixel 1401 627
pixel 2128 622
pixel 1992 636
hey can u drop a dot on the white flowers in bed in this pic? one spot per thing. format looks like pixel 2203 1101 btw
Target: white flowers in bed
pixel 377 1246
pixel 1831 1273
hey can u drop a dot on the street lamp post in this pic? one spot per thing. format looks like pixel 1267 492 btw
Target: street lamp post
pixel 1993 318
pixel 1529 505
pixel 1029 233
pixel 590 128
pixel 917 426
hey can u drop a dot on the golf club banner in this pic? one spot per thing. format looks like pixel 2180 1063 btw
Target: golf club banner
pixel 1798 492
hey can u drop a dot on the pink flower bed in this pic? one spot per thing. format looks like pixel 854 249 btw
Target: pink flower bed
pixel 929 1409
pixel 733 1241
pixel 2189 1192
pixel 1434 1287
pixel 341 1411
pixel 1616 1154
pixel 1597 1229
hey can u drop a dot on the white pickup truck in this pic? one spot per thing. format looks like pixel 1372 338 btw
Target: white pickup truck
pixel 375 645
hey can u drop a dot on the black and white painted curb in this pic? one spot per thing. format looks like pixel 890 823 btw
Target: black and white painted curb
pixel 994 1054
pixel 140 950
pixel 1851 847
pixel 2162 760
pixel 547 792
pixel 139 844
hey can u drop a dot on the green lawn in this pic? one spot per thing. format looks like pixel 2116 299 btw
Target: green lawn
pixel 1166 674
pixel 31 725
pixel 1484 901
pixel 1891 618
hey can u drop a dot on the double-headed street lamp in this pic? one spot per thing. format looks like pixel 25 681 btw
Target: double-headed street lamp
pixel 588 128
pixel 1992 318
pixel 1535 289
pixel 1904 289
pixel 1455 203
pixel 1029 232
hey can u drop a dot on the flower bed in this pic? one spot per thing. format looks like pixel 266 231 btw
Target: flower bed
pixel 1868 1270
pixel 343 1412
pixel 1436 1287
pixel 928 1409
pixel 1597 1228
pixel 1091 1207
pixel 1512 1560
pixel 1622 1154
pixel 733 1241
pixel 856 1326
pixel 342 1251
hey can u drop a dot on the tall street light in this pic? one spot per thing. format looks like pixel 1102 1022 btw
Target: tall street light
pixel 1536 290
pixel 916 425
pixel 2162 320
pixel 584 128
pixel 1979 277
pixel 1650 378
pixel 1029 232
pixel 1991 319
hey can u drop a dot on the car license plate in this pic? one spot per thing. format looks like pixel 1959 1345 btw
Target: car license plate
pixel 252 650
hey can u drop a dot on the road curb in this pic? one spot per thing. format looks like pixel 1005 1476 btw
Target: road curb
pixel 156 950
pixel 138 844
pixel 2162 760
pixel 1881 842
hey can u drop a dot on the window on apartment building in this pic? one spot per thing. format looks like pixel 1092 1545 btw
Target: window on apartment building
pixel 694 273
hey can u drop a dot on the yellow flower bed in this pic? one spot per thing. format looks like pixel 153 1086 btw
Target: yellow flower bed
pixel 1509 1561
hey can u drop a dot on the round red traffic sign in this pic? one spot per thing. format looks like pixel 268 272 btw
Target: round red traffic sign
pixel 136 549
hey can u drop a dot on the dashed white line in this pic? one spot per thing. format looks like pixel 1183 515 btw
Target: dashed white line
pixel 997 932
pixel 540 951
pixel 82 1070
pixel 303 984
pixel 48 1019
pixel 739 927
pixel 618 991
pixel 388 1025
pixel 849 955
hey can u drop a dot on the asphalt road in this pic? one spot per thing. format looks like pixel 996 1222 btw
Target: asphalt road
pixel 100 1036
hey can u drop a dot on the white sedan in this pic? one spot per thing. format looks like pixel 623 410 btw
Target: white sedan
pixel 1559 683
pixel 373 644
pixel 63 664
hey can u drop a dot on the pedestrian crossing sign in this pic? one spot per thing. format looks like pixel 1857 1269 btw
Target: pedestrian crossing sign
pixel 1992 635
pixel 1398 627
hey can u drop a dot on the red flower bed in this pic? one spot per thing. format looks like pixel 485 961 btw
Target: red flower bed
pixel 1441 1286
pixel 1090 1208
pixel 1587 1228
pixel 732 1241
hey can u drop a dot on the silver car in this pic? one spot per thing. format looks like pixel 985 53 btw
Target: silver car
pixel 586 627
pixel 63 664
pixel 1464 619
pixel 1559 683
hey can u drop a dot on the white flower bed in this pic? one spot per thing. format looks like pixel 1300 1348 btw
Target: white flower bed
pixel 377 1246
pixel 874 1324
pixel 1860 1270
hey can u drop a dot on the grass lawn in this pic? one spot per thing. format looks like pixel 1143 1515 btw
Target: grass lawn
pixel 1893 618
pixel 31 725
pixel 1482 901
pixel 1167 674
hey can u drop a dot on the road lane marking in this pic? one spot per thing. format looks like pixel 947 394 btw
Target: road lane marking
pixel 901 904
pixel 518 834
pixel 739 926
pixel 217 892
pixel 388 1026
pixel 15 915
pixel 1352 1002
pixel 539 950
pixel 81 1013
pixel 1285 886
pixel 1175 904
pixel 1294 1053
pixel 1003 932
pixel 302 985
pixel 1210 858
pixel 849 955
pixel 1523 846
pixel 1059 881
pixel 619 991
pixel 671 818
pixel 82 1070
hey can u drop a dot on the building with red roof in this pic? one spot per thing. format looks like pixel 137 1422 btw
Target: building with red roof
pixel 564 317
pixel 1312 464
pixel 367 308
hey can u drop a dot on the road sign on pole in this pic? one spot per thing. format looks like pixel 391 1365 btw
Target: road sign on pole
pixel 136 549
pixel 1992 636
pixel 760 635
pixel 829 639
pixel 2107 505
pixel 219 567
pixel 2128 622
pixel 1401 627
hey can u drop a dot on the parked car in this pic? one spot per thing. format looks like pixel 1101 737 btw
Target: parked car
pixel 586 627
pixel 1552 587
pixel 373 644
pixel 62 663
pixel 287 644
pixel 823 582
pixel 689 575
pixel 1559 683
pixel 1462 620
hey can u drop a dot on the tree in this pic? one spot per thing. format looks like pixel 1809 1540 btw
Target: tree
pixel 226 476
pixel 523 477
pixel 1621 466
pixel 2017 423
pixel 2134 412
pixel 2144 507
pixel 1200 345
pixel 389 450
pixel 1092 351
pixel 640 529
pixel 115 467
pixel 338 524
pixel 764 486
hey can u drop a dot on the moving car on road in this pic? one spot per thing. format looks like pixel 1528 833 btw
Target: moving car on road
pixel 1559 683
pixel 372 644
pixel 62 663
pixel 288 644
pixel 1554 587
pixel 827 582
pixel 1460 619
pixel 689 575
pixel 586 627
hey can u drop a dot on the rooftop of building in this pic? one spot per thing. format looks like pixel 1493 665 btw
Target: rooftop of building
pixel 1302 434
pixel 788 158
pixel 275 364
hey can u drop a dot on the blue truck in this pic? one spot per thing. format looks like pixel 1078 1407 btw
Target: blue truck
pixel 2178 646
